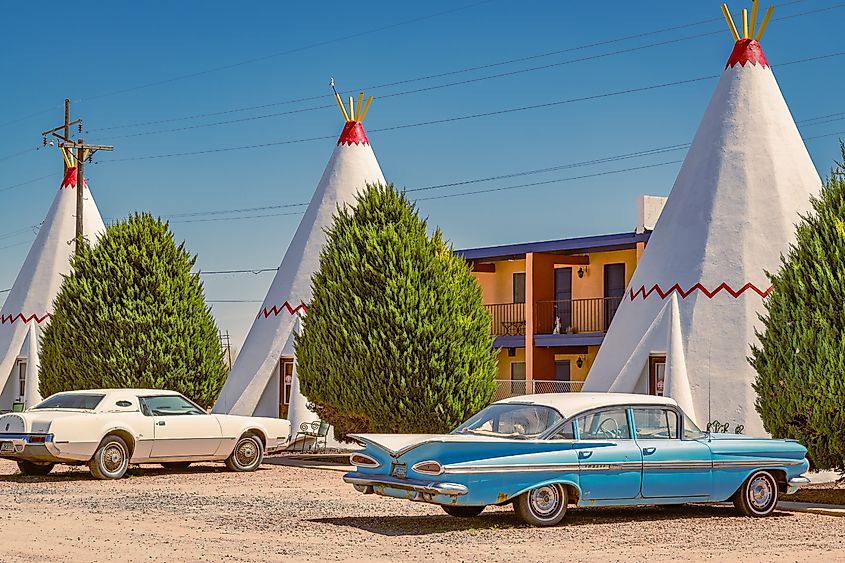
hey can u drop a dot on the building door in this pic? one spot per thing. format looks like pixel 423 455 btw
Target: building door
pixel 21 373
pixel 656 375
pixel 518 386
pixel 563 300
pixel 561 382
pixel 286 379
pixel 614 290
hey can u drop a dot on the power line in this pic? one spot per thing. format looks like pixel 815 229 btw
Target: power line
pixel 466 117
pixel 603 160
pixel 256 59
pixel 418 90
pixel 476 68
pixel 27 182
pixel 447 85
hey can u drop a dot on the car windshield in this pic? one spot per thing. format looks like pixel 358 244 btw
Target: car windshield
pixel 75 401
pixel 511 420
pixel 691 430
pixel 169 405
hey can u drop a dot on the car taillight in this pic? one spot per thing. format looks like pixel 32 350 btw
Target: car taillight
pixel 361 460
pixel 428 467
pixel 37 439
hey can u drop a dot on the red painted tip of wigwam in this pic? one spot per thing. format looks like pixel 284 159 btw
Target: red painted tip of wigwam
pixel 353 134
pixel 70 179
pixel 747 51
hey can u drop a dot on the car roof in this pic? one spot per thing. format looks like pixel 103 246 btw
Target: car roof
pixel 121 392
pixel 570 404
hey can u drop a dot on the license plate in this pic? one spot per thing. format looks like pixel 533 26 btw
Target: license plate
pixel 7 447
pixel 399 470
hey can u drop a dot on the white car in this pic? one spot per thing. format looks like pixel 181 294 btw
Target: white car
pixel 108 429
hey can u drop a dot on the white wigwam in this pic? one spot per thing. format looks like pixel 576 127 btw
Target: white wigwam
pixel 254 385
pixel 701 281
pixel 29 306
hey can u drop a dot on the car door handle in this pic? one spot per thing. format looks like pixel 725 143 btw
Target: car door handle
pixel 649 451
pixel 160 423
pixel 584 455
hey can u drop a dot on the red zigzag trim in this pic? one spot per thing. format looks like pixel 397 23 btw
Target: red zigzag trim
pixel 9 319
pixel 698 287
pixel 275 311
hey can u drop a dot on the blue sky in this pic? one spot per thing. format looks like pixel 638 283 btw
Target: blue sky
pixel 125 64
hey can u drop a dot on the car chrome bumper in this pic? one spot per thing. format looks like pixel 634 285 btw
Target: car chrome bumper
pixel 367 483
pixel 25 446
pixel 795 483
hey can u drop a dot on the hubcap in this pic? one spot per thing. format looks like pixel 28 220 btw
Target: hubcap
pixel 113 457
pixel 760 493
pixel 247 453
pixel 544 500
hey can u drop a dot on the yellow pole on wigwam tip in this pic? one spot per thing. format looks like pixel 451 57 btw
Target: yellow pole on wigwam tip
pixel 748 26
pixel 730 21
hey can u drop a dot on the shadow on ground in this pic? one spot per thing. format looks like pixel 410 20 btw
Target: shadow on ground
pixel 422 525
pixel 81 473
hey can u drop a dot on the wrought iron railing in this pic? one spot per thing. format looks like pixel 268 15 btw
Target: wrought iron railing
pixel 507 319
pixel 575 315
pixel 508 388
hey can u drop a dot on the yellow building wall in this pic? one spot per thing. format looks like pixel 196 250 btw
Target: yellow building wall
pixel 592 284
pixel 497 287
pixel 576 373
pixel 504 362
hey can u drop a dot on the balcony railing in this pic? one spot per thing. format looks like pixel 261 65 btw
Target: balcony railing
pixel 507 388
pixel 507 319
pixel 575 315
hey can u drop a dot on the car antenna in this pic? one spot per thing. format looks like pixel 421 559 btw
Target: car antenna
pixel 709 383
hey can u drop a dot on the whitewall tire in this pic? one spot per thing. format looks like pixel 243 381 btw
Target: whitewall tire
pixel 542 506
pixel 247 455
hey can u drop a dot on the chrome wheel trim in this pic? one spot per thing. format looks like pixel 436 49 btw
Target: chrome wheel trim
pixel 545 502
pixel 113 458
pixel 247 452
pixel 760 493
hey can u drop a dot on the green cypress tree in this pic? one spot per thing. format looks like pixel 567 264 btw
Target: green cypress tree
pixel 131 314
pixel 396 338
pixel 800 361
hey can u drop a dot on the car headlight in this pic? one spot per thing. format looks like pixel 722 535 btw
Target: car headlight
pixel 362 460
pixel 430 467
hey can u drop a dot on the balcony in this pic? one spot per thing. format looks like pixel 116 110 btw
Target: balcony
pixel 507 319
pixel 575 316
pixel 507 388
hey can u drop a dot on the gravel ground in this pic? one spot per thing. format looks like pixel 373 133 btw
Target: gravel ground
pixel 292 514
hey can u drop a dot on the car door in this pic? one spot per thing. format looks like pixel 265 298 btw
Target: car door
pixel 672 467
pixel 181 429
pixel 609 460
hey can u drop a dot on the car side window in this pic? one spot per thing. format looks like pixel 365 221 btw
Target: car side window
pixel 565 432
pixel 611 424
pixel 168 405
pixel 656 424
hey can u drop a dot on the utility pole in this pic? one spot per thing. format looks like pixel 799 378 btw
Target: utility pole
pixel 75 153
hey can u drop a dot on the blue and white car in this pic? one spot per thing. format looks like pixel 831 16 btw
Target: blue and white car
pixel 545 452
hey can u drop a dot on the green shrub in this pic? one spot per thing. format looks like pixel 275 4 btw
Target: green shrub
pixel 800 361
pixel 131 314
pixel 396 338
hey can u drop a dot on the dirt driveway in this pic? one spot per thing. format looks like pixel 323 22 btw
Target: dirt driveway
pixel 292 514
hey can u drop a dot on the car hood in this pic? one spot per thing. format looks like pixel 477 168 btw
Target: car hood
pixel 398 444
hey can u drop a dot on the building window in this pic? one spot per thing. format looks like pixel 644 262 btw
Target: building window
pixel 656 375
pixel 21 378
pixel 519 287
pixel 286 370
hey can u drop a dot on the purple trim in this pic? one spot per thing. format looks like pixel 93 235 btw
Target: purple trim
pixel 605 243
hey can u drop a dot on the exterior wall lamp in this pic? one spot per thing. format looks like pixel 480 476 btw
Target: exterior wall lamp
pixel 581 271
pixel 580 361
